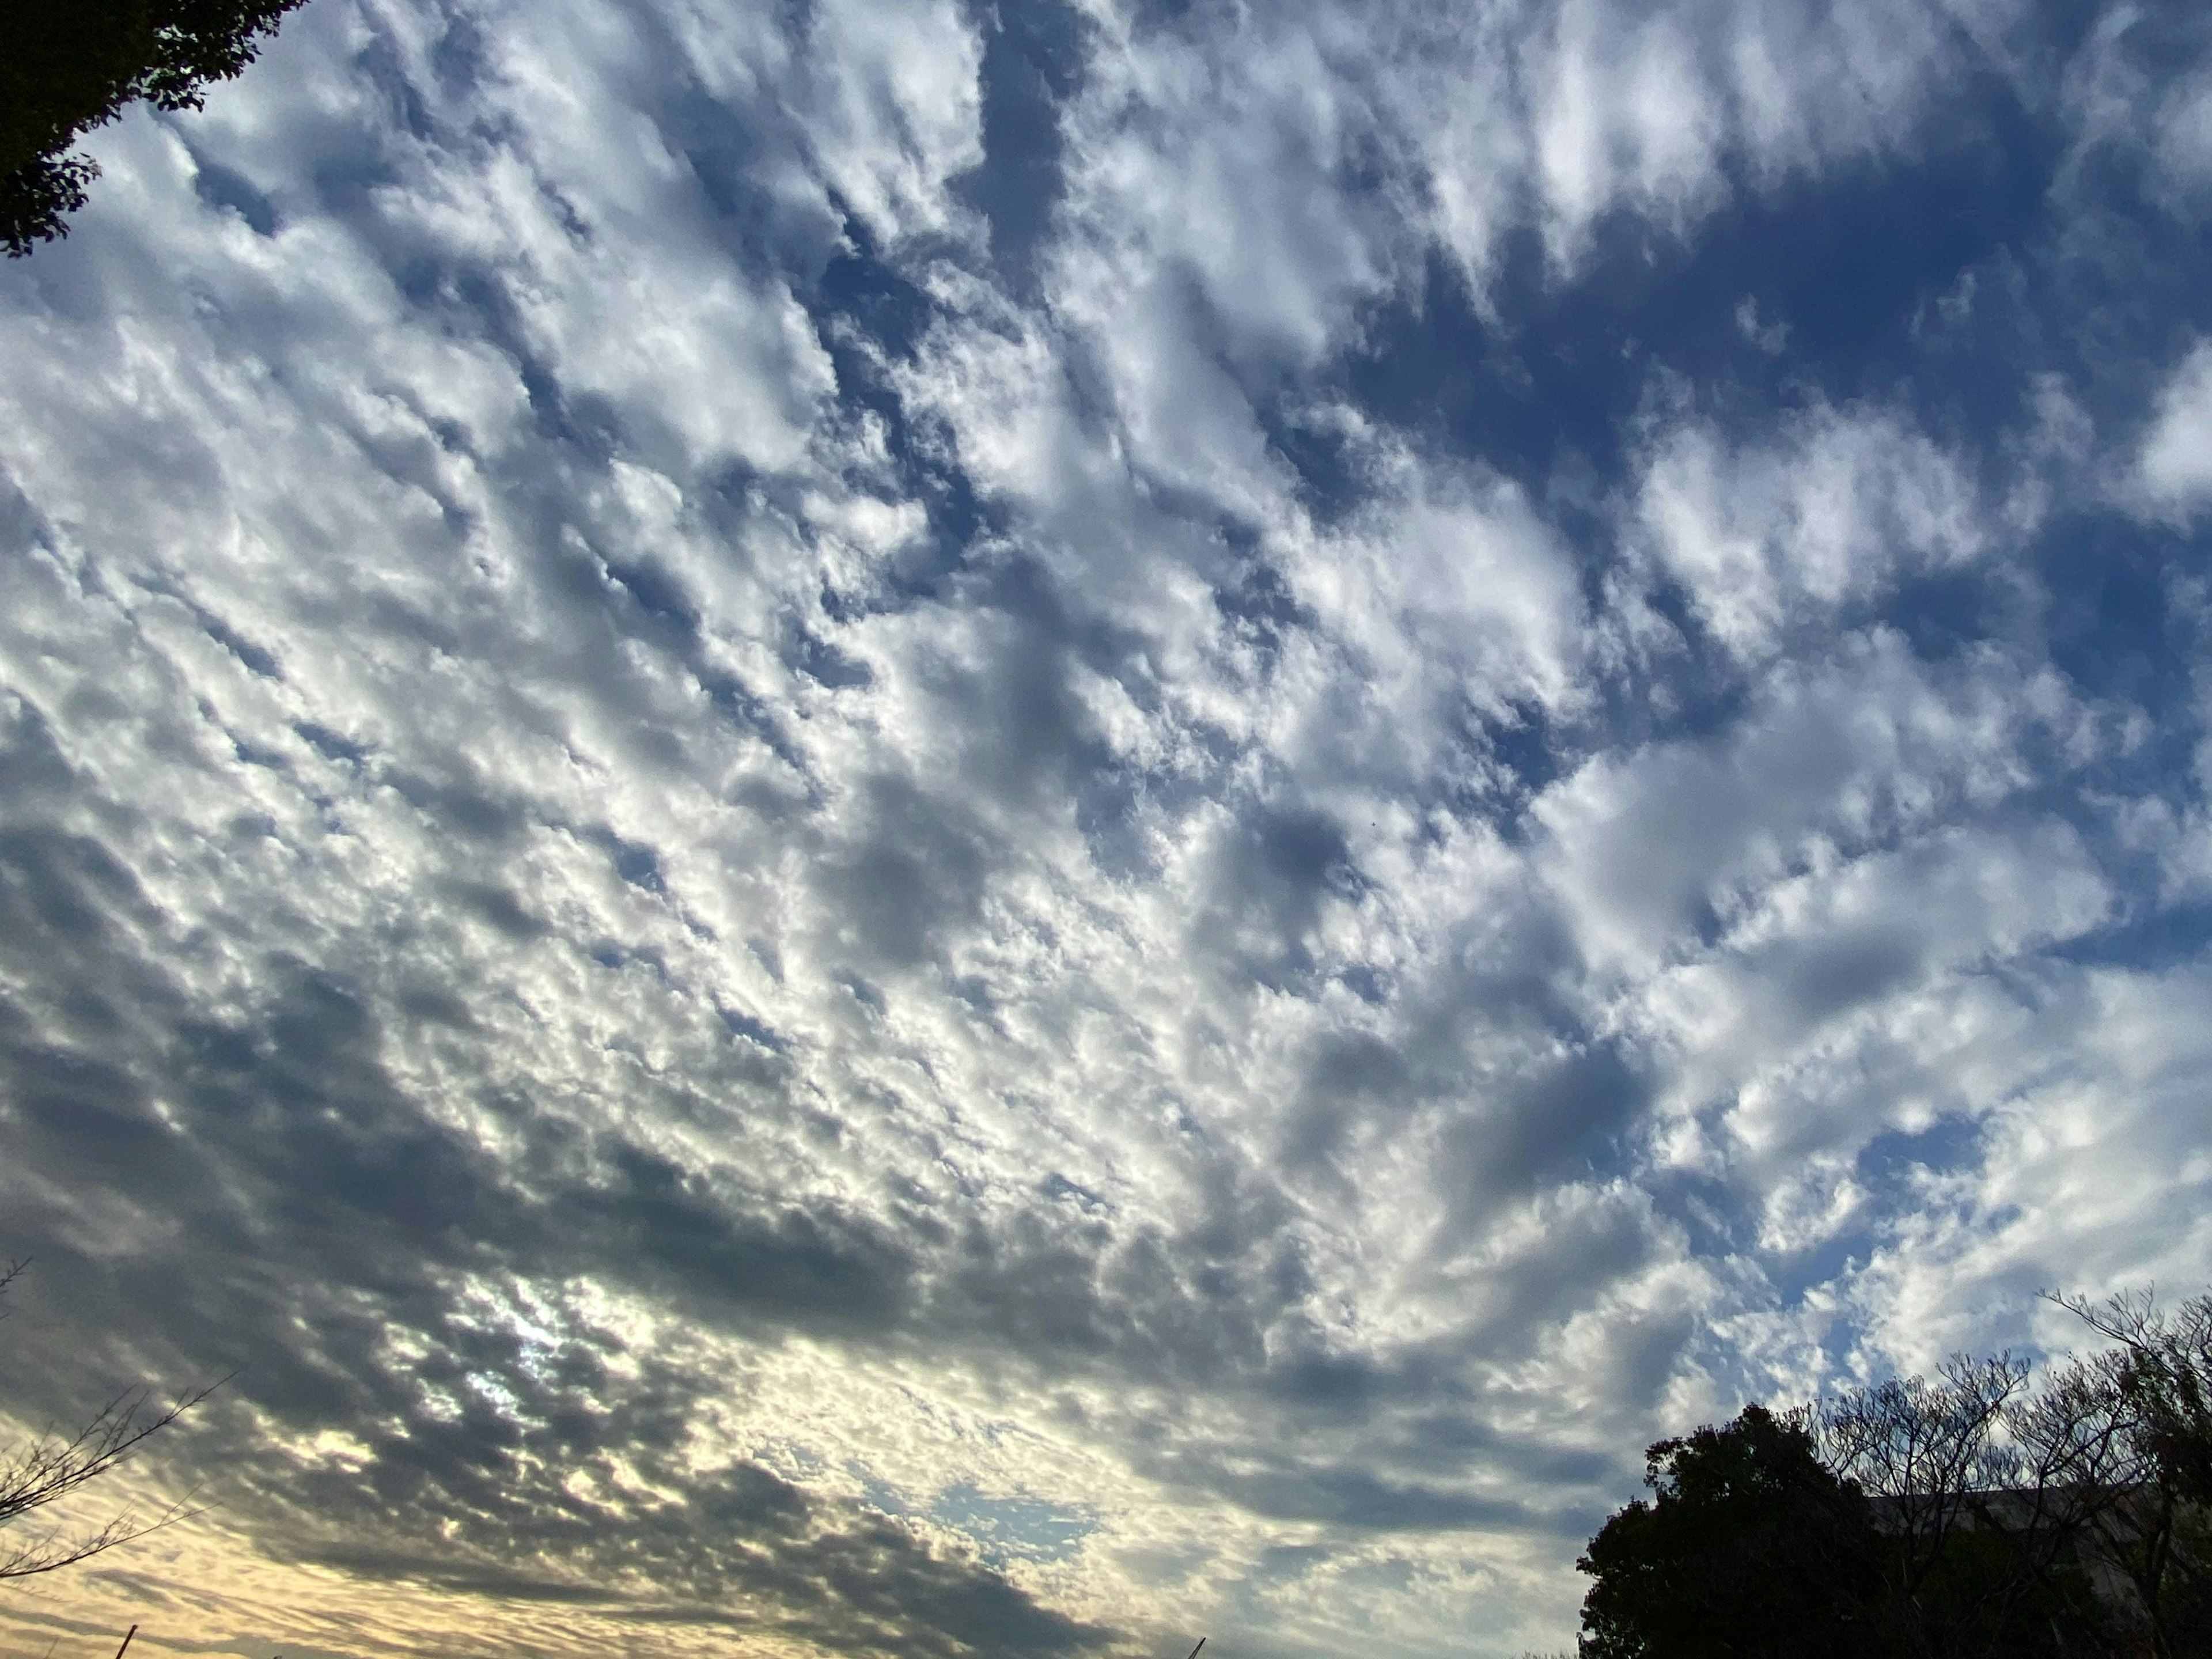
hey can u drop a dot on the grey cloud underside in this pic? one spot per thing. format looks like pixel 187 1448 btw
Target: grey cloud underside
pixel 311 1212
pixel 1349 753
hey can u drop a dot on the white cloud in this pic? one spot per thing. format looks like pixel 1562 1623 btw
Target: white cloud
pixel 2184 142
pixel 1850 753
pixel 897 110
pixel 2139 88
pixel 2173 465
pixel 1773 536
pixel 2089 1177
pixel 1772 338
pixel 1622 116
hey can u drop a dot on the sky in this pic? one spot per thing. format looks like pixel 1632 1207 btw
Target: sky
pixel 897 828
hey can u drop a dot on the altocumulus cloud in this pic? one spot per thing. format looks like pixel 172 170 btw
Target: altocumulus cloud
pixel 926 829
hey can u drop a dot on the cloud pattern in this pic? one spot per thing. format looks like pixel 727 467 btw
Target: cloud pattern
pixel 938 830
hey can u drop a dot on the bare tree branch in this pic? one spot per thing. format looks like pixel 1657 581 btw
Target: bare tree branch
pixel 53 1466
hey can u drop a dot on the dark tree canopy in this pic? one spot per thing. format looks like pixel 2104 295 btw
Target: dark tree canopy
pixel 66 66
pixel 1748 1547
pixel 1966 1517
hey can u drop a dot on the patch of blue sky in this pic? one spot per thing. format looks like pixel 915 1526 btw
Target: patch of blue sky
pixel 1014 1527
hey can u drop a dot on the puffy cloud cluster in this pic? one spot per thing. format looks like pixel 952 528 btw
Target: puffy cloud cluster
pixel 934 829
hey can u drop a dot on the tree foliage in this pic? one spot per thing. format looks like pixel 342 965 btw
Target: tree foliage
pixel 66 66
pixel 1749 1547
pixel 1967 1515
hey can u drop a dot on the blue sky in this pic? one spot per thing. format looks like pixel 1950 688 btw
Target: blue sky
pixel 885 827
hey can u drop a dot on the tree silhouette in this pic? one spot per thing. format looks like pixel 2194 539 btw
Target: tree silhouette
pixel 1984 1513
pixel 1749 1549
pixel 66 66
pixel 52 1467
pixel 2156 1385
pixel 1987 1494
